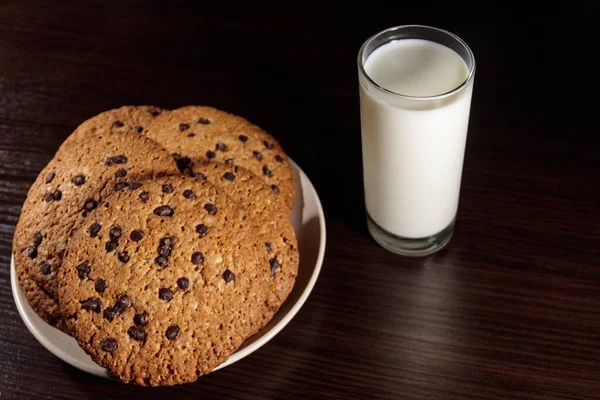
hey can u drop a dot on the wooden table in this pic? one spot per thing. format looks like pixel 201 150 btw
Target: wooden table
pixel 509 310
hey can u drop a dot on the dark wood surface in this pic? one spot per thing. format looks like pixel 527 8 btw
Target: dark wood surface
pixel 509 310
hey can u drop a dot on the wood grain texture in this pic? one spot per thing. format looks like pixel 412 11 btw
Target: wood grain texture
pixel 509 310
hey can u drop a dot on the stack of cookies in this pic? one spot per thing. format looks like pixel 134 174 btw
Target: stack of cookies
pixel 160 240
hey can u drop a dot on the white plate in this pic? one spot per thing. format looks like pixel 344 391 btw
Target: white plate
pixel 309 224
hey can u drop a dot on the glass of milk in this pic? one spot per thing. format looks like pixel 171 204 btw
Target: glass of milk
pixel 415 96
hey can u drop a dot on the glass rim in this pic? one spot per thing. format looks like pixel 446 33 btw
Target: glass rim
pixel 441 96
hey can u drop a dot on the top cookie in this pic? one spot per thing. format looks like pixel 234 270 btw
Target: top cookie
pixel 277 239
pixel 71 186
pixel 195 134
pixel 134 119
pixel 164 282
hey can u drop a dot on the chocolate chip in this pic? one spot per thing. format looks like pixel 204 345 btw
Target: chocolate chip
pixel 221 147
pixel 165 294
pixel 210 208
pixel 136 333
pixel 136 235
pixel 228 275
pixel 144 196
pixel 202 230
pixel 166 243
pixel 164 211
pixel 120 186
pixel 109 345
pixel 111 246
pixel 90 205
pixel 123 303
pixel 140 319
pixel 200 176
pixel 37 239
pixel 114 233
pixel 163 256
pixel 268 247
pixel 274 265
pixel 94 229
pixel 50 177
pixel 229 161
pixel 138 129
pixel 188 194
pixel 92 304
pixel 164 251
pixel 57 195
pixel 48 197
pixel 46 268
pixel 243 138
pixel 210 155
pixel 204 121
pixel 183 127
pixel 118 124
pixel 257 155
pixel 120 173
pixel 134 185
pixel 278 158
pixel 162 261
pixel 266 171
pixel 191 134
pixel 78 180
pixel 167 188
pixel 268 146
pixel 83 270
pixel 183 283
pixel 109 313
pixel 172 332
pixel 154 113
pixel 197 258
pixel 120 159
pixel 32 252
pixel 100 285
pixel 123 256
pixel 229 176
pixel 183 163
pixel 275 189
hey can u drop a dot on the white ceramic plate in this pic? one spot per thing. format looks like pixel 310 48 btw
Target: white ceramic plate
pixel 309 224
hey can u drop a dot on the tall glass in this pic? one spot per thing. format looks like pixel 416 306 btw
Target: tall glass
pixel 415 89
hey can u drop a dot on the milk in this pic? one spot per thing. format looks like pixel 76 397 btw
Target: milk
pixel 413 149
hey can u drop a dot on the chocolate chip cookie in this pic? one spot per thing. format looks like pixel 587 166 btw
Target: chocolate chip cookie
pixel 164 282
pixel 68 189
pixel 196 134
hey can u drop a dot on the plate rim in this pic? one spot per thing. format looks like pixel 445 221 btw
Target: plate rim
pixel 100 371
